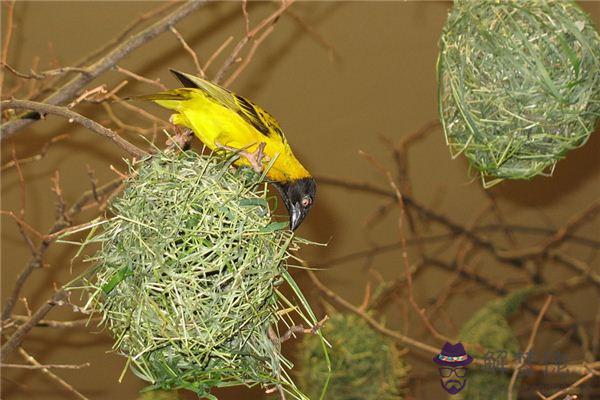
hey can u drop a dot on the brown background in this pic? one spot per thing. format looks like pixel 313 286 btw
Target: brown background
pixel 382 82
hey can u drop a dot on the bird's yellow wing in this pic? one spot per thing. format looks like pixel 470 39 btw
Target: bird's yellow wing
pixel 261 120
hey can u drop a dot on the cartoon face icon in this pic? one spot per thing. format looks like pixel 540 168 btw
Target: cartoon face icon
pixel 452 362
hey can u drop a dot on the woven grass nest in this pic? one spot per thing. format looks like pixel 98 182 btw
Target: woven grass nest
pixel 518 84
pixel 187 276
pixel 364 364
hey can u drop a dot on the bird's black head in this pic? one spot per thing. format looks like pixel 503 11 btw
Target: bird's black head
pixel 298 196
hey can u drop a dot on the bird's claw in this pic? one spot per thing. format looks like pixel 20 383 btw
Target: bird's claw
pixel 255 158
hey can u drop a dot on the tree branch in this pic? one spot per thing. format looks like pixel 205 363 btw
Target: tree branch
pixel 536 326
pixel 37 257
pixel 15 340
pixel 70 89
pixel 72 116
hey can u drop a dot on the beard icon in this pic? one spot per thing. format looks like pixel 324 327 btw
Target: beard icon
pixel 453 386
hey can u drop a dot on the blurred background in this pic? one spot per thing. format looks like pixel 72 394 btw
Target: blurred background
pixel 340 77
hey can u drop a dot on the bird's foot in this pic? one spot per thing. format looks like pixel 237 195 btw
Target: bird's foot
pixel 182 138
pixel 255 158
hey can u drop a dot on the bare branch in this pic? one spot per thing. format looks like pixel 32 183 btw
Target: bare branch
pixel 45 366
pixel 44 74
pixel 7 38
pixel 299 329
pixel 36 259
pixel 15 340
pixel 44 323
pixel 70 90
pixel 127 30
pixel 234 56
pixel 37 157
pixel 217 52
pixel 155 82
pixel 191 52
pixel 61 382
pixel 570 388
pixel 580 369
pixel 536 326
pixel 72 116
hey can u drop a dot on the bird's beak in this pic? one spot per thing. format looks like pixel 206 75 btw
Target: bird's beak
pixel 296 216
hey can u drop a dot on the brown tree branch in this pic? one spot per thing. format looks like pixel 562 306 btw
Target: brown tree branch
pixel 72 116
pixel 576 384
pixel 577 368
pixel 16 338
pixel 44 323
pixel 45 366
pixel 7 39
pixel 61 382
pixel 36 259
pixel 70 89
pixel 43 74
pixel 536 326
pixel 234 57
pixel 190 51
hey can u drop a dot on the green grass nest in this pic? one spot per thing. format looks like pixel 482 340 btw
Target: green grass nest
pixel 518 84
pixel 364 364
pixel 188 272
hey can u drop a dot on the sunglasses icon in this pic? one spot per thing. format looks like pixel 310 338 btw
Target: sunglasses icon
pixel 448 371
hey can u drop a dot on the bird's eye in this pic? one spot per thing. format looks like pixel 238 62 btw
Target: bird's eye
pixel 306 201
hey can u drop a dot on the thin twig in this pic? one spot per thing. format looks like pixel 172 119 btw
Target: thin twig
pixel 234 56
pixel 140 111
pixel 127 30
pixel 404 248
pixel 7 38
pixel 521 362
pixel 72 116
pixel 45 323
pixel 292 331
pixel 333 53
pixel 101 89
pixel 580 369
pixel 574 385
pixel 250 55
pixel 36 157
pixel 15 340
pixel 36 259
pixel 348 306
pixel 44 74
pixel 27 357
pixel 70 89
pixel 574 222
pixel 217 52
pixel 45 366
pixel 190 51
pixel 156 82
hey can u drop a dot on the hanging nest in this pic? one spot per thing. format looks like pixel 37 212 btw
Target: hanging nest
pixel 518 84
pixel 187 276
pixel 364 365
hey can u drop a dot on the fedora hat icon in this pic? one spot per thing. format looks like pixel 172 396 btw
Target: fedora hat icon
pixel 453 355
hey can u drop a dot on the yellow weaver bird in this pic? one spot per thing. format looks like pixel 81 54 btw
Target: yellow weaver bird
pixel 223 120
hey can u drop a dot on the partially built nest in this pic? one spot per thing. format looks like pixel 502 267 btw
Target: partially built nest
pixel 519 84
pixel 187 276
pixel 364 364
